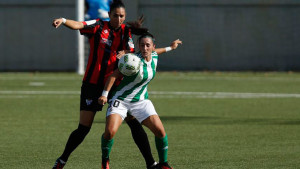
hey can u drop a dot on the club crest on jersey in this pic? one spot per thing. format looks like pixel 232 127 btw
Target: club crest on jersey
pixel 88 101
pixel 105 31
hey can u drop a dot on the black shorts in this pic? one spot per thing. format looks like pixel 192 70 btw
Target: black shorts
pixel 89 97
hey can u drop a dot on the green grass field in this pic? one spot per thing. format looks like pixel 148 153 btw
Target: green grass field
pixel 214 120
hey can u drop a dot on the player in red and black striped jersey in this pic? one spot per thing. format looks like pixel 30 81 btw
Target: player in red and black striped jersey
pixel 109 40
pixel 105 41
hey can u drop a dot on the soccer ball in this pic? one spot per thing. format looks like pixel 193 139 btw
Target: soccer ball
pixel 129 64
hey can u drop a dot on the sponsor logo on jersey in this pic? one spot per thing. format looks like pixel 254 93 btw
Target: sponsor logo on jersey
pixel 106 41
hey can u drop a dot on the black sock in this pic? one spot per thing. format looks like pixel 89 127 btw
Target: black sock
pixel 76 137
pixel 141 140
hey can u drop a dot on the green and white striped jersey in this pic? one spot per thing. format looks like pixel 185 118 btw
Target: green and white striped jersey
pixel 134 88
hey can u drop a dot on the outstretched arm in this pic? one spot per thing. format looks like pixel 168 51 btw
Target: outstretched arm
pixel 108 85
pixel 173 46
pixel 68 23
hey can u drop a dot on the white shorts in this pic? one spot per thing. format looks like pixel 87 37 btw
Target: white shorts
pixel 140 110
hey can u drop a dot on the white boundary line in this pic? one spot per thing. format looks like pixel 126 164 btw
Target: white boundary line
pixel 162 77
pixel 165 94
pixel 36 92
pixel 224 95
pixel 294 79
pixel 65 78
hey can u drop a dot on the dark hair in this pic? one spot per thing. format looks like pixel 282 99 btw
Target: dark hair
pixel 147 35
pixel 116 4
pixel 136 26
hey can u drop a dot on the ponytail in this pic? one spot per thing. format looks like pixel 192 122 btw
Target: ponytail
pixel 136 26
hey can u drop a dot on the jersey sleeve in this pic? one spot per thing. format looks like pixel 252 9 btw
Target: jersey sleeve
pixel 90 27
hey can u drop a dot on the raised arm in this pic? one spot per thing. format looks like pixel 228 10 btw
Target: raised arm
pixel 108 85
pixel 68 23
pixel 173 46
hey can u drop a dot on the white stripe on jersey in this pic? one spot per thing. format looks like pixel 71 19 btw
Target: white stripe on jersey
pixel 143 95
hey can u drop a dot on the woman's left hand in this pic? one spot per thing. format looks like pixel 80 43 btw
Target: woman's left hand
pixel 120 54
pixel 175 43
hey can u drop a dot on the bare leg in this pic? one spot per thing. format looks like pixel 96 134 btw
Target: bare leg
pixel 161 140
pixel 113 123
pixel 155 125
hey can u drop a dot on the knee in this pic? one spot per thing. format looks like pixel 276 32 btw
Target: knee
pixel 160 133
pixel 83 130
pixel 109 134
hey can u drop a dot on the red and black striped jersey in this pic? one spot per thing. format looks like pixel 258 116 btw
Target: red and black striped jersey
pixel 105 42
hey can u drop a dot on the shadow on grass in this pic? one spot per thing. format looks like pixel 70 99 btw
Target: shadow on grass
pixel 171 118
pixel 210 120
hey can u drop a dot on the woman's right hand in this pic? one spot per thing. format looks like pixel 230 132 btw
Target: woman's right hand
pixel 102 100
pixel 57 22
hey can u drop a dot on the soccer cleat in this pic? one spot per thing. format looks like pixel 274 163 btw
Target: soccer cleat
pixel 59 164
pixel 154 166
pixel 105 163
pixel 164 166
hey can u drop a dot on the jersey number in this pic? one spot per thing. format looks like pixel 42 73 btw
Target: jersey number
pixel 116 103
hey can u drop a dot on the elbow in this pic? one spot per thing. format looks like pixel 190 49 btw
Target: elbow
pixel 75 27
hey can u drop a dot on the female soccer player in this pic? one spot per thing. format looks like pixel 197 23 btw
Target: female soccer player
pixel 108 40
pixel 131 96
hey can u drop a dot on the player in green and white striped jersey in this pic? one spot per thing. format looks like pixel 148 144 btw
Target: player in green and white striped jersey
pixel 131 96
pixel 134 88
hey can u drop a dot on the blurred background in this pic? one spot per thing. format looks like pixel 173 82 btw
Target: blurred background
pixel 218 35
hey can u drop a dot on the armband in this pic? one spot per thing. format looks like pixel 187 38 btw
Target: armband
pixel 64 20
pixel 105 93
pixel 168 49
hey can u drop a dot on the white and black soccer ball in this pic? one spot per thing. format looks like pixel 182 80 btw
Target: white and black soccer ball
pixel 129 64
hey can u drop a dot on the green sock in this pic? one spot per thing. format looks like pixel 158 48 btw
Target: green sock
pixel 106 146
pixel 162 148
